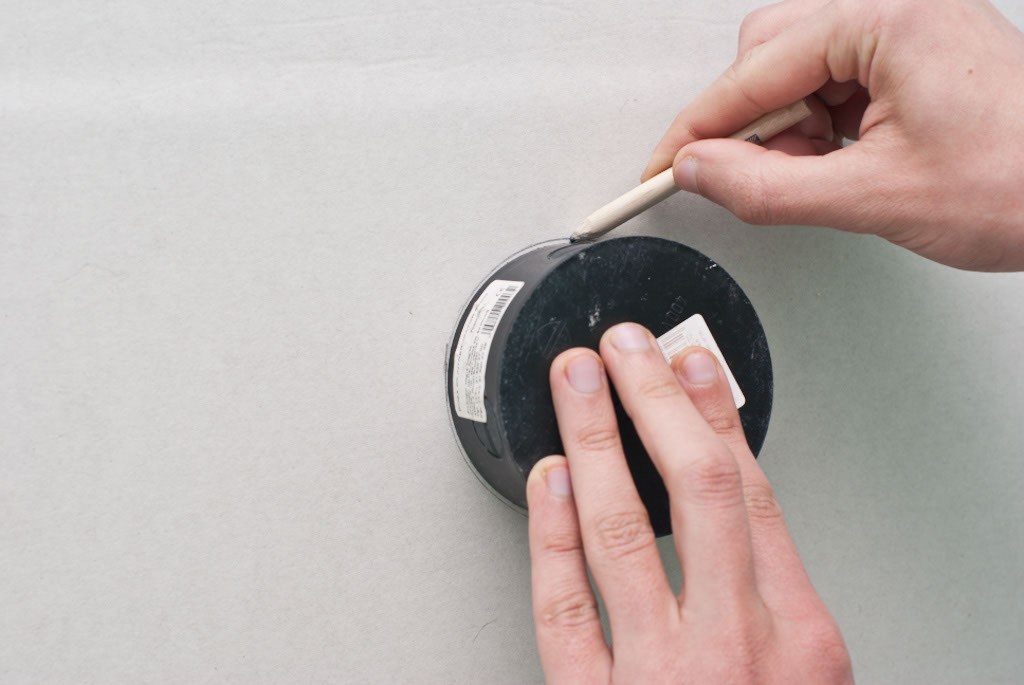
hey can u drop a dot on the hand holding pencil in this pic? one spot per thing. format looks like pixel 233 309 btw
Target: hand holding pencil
pixel 935 163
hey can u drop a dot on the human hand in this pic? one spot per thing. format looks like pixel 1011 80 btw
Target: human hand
pixel 747 612
pixel 930 90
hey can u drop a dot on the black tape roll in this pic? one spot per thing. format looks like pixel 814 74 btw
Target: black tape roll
pixel 570 295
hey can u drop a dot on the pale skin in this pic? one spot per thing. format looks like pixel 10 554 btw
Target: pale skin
pixel 932 93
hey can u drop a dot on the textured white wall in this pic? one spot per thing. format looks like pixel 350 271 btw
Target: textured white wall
pixel 234 237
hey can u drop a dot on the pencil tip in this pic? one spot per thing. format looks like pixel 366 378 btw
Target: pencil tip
pixel 582 234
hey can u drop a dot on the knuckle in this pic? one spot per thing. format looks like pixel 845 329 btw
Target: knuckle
pixel 597 438
pixel 715 476
pixel 752 201
pixel 622 534
pixel 751 27
pixel 734 75
pixel 659 387
pixel 732 72
pixel 570 610
pixel 762 507
pixel 561 542
pixel 724 421
pixel 835 658
pixel 826 644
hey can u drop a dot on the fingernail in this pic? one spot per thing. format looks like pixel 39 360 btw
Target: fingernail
pixel 558 481
pixel 685 174
pixel 629 337
pixel 699 368
pixel 584 374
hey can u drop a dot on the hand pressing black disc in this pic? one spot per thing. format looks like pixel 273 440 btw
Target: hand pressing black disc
pixel 557 295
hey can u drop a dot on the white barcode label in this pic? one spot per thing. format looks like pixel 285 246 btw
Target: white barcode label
pixel 474 345
pixel 694 332
pixel 498 308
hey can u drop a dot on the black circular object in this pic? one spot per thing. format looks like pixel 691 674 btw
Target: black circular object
pixel 557 295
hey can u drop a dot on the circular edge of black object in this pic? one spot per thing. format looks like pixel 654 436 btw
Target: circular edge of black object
pixel 616 277
pixel 449 352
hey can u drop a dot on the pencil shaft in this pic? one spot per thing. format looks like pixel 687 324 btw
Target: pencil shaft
pixel 644 196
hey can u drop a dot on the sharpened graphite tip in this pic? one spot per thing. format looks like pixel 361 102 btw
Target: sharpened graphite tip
pixel 585 233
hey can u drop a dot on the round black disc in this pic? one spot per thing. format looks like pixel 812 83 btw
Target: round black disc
pixel 570 295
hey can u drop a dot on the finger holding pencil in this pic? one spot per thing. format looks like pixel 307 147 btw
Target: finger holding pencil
pixel 662 185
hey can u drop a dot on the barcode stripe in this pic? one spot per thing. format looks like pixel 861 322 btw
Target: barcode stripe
pixel 491 320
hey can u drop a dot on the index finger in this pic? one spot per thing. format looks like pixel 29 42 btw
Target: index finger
pixel 617 537
pixel 790 66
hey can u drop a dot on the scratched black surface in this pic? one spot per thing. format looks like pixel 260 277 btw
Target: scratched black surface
pixel 572 295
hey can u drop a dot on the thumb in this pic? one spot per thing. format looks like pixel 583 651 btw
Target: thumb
pixel 770 187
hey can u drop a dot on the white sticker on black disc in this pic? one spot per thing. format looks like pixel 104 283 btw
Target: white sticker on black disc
pixel 474 345
pixel 694 332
